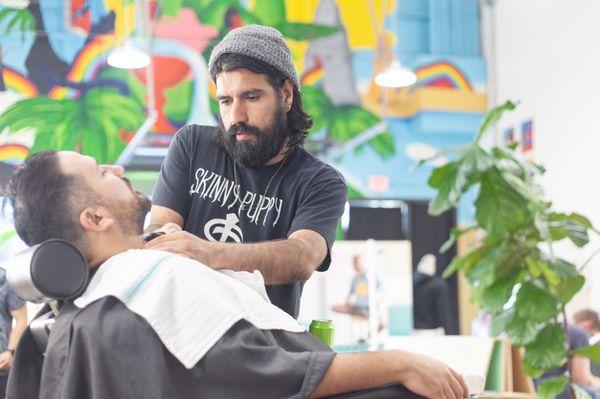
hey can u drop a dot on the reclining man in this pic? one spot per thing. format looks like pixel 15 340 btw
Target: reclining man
pixel 137 329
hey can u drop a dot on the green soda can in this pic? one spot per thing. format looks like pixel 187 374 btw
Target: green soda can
pixel 323 330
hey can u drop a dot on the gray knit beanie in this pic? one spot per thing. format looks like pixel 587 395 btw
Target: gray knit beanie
pixel 259 42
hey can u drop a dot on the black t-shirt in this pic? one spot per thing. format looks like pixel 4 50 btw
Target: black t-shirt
pixel 197 180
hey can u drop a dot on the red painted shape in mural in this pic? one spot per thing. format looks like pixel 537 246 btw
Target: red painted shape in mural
pixel 168 72
pixel 79 15
pixel 441 83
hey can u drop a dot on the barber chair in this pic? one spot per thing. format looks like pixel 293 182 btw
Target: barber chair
pixel 55 270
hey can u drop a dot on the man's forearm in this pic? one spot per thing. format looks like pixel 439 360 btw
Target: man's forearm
pixel 280 262
pixel 15 334
pixel 420 374
pixel 354 372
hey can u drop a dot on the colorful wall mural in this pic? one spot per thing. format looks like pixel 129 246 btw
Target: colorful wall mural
pixel 57 90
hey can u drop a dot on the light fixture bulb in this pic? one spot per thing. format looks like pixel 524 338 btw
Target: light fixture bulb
pixel 128 56
pixel 395 75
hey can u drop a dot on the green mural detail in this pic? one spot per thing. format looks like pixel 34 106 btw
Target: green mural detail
pixel 344 122
pixel 19 20
pixel 91 124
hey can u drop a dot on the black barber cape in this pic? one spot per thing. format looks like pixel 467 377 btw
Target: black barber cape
pixel 105 351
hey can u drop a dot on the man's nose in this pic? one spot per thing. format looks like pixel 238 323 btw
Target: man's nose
pixel 116 170
pixel 238 113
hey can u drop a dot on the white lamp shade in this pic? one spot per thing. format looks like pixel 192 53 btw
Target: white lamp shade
pixel 395 75
pixel 128 57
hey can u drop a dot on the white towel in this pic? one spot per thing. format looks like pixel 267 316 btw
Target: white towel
pixel 189 306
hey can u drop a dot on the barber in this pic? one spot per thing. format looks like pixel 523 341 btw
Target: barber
pixel 246 195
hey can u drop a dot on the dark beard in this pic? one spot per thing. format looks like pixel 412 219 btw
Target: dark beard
pixel 131 214
pixel 252 154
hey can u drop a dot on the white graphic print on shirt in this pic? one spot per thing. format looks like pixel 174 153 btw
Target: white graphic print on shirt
pixel 221 190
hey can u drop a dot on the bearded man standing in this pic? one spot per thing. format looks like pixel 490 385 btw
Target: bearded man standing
pixel 246 195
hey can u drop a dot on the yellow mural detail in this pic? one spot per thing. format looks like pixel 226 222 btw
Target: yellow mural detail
pixel 402 103
pixel 360 18
pixel 123 27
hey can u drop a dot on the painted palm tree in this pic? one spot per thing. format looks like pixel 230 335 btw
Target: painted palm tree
pixel 17 19
pixel 92 124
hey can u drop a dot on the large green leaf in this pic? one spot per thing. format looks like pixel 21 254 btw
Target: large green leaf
pixel 551 388
pixel 500 209
pixel 494 296
pixel 548 349
pixel 545 307
pixel 455 234
pixel 454 178
pixel 573 226
pixel 493 116
pixel 301 31
pixel 592 352
pixel 568 287
pixel 270 12
pixel 465 262
pixel 450 184
pixel 521 331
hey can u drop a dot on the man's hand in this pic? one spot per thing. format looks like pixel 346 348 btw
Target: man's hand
pixel 420 374
pixel 6 359
pixel 182 243
pixel 431 378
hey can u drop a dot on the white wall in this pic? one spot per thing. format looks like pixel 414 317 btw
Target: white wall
pixel 547 56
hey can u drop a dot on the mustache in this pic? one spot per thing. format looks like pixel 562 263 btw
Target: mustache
pixel 243 127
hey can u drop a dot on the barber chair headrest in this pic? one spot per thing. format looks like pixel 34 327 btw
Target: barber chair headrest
pixel 52 270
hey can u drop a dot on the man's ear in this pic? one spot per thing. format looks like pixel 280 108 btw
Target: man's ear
pixel 95 219
pixel 288 95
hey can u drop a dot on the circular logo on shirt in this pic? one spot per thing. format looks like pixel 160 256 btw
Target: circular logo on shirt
pixel 222 229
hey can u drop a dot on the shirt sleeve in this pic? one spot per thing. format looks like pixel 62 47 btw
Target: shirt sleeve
pixel 320 209
pixel 577 338
pixel 260 364
pixel 172 187
pixel 13 301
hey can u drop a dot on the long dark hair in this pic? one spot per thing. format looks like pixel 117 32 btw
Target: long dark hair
pixel 298 121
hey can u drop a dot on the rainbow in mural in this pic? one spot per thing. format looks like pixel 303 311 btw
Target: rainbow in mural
pixel 86 65
pixel 13 154
pixel 442 74
pixel 313 75
pixel 18 83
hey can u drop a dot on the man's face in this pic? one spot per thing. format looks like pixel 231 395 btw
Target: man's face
pixel 587 326
pixel 254 122
pixel 127 205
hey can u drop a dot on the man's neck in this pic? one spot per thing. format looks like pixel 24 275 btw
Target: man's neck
pixel 279 157
pixel 106 250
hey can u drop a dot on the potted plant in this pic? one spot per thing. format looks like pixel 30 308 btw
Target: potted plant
pixel 513 272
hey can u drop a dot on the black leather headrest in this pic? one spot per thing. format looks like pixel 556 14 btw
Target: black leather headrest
pixel 54 269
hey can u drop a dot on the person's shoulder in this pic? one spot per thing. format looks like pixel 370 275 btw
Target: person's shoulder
pixel 312 165
pixel 102 316
pixel 577 337
pixel 195 133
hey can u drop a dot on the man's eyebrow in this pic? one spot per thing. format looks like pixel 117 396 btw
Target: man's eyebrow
pixel 252 91
pixel 245 93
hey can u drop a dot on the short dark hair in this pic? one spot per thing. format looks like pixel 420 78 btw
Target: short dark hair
pixel 46 201
pixel 587 315
pixel 298 121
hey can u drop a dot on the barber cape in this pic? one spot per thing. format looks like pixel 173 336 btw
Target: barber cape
pixel 187 304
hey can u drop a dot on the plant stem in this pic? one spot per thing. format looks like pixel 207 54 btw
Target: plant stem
pixel 588 260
